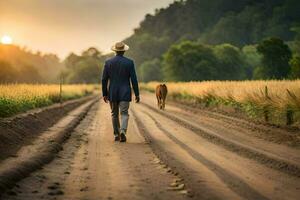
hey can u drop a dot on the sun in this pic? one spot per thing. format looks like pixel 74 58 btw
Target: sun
pixel 6 39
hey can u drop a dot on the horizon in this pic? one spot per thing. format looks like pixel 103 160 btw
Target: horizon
pixel 33 26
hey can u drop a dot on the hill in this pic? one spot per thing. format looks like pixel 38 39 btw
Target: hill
pixel 21 65
pixel 214 22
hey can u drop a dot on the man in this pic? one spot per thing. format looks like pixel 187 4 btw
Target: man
pixel 119 70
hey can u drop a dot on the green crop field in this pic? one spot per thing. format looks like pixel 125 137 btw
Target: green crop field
pixel 16 98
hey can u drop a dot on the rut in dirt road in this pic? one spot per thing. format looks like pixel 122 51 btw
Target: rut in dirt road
pixel 92 166
pixel 248 152
pixel 171 154
pixel 194 149
pixel 232 181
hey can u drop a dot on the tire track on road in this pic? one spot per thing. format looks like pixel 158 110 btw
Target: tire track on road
pixel 29 160
pixel 280 165
pixel 232 181
pixel 198 189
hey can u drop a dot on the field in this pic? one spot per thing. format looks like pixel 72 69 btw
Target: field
pixel 274 101
pixel 16 98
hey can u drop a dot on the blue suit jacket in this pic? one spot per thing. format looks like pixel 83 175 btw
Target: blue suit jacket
pixel 118 71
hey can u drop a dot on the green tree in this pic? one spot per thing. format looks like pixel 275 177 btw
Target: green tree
pixel 275 60
pixel 190 61
pixel 252 59
pixel 85 68
pixel 213 22
pixel 29 74
pixel 7 73
pixel 295 67
pixel 232 65
pixel 296 42
pixel 151 71
pixel 71 60
pixel 295 61
pixel 237 28
pixel 86 71
pixel 145 47
pixel 25 65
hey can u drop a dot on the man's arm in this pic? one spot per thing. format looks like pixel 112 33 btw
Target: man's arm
pixel 104 82
pixel 134 82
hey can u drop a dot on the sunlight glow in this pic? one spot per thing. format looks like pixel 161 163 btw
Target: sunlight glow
pixel 6 39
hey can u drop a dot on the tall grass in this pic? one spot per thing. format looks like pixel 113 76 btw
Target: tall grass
pixel 256 98
pixel 16 98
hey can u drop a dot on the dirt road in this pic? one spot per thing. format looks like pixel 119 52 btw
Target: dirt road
pixel 179 153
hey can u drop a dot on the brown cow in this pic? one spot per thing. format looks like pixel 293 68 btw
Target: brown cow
pixel 161 94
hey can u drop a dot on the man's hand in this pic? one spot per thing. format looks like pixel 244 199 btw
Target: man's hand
pixel 137 99
pixel 105 99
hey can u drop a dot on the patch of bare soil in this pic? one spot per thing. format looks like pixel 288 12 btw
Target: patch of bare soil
pixel 42 150
pixel 283 164
pixel 287 135
pixel 21 129
pixel 93 166
pixel 171 154
pixel 217 160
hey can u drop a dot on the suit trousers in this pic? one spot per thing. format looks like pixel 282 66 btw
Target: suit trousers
pixel 122 108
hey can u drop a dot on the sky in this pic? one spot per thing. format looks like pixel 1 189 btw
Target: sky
pixel 64 26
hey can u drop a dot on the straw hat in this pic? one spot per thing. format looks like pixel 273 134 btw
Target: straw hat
pixel 120 46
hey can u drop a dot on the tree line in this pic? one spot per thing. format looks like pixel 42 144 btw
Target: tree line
pixel 188 40
pixel 193 61
pixel 19 65
pixel 185 61
pixel 84 68
pixel 218 39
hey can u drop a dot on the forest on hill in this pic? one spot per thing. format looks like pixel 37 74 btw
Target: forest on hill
pixel 218 39
pixel 19 65
pixel 190 40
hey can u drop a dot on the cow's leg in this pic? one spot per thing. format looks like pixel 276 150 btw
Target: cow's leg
pixel 158 101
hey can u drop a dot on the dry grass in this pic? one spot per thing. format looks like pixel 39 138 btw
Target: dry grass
pixel 15 98
pixel 281 95
pixel 240 91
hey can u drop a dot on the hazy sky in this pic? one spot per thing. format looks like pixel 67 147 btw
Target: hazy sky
pixel 62 26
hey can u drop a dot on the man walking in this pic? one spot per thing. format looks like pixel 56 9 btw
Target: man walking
pixel 119 71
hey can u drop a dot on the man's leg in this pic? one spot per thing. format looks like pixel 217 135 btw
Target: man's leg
pixel 124 106
pixel 115 117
